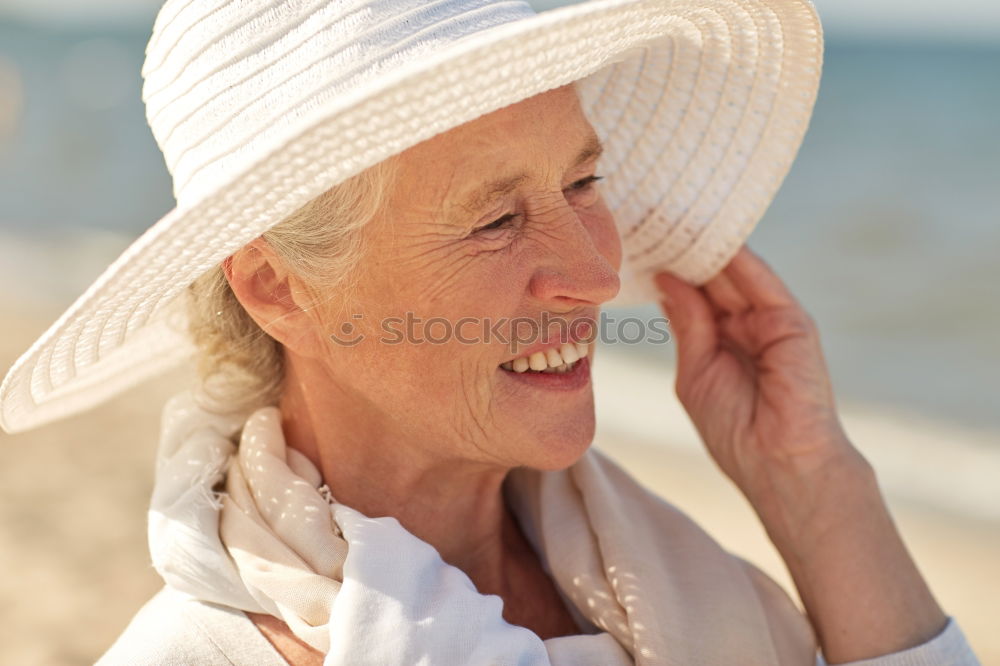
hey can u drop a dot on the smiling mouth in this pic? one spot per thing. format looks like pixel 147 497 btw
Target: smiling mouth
pixel 556 360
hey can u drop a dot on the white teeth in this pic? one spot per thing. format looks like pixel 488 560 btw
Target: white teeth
pixel 553 358
pixel 568 352
pixel 557 359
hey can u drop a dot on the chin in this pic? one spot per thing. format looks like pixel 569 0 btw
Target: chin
pixel 558 443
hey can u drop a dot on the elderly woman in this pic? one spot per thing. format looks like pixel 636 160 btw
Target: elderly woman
pixel 348 485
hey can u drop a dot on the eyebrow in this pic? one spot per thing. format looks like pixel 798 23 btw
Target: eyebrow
pixel 494 189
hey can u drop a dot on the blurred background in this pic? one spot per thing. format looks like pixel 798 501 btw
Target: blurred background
pixel 887 229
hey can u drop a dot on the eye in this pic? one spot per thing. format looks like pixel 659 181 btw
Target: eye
pixel 497 223
pixel 582 193
pixel 584 183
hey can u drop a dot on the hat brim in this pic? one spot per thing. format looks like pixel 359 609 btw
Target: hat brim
pixel 701 104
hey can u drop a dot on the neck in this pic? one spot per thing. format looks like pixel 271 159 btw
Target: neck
pixel 452 503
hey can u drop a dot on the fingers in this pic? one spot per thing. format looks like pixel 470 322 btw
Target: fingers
pixel 757 283
pixel 725 297
pixel 692 322
pixel 746 283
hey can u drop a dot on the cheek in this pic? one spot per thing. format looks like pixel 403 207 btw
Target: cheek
pixel 604 233
pixel 430 361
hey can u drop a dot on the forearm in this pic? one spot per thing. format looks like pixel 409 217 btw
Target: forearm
pixel 860 587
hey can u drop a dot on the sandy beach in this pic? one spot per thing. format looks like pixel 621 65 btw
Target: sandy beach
pixel 73 498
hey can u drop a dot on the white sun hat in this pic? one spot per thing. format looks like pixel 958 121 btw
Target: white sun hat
pixel 261 105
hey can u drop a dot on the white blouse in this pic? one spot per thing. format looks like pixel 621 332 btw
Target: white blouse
pixel 173 629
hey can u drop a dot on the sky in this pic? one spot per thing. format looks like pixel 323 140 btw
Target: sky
pixel 953 20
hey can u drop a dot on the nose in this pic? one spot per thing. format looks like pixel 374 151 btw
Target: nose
pixel 582 267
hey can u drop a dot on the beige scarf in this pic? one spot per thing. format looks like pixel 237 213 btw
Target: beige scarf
pixel 650 584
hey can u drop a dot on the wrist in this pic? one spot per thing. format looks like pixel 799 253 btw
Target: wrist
pixel 801 502
pixel 861 589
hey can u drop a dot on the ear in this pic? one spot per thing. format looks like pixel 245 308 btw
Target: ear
pixel 273 296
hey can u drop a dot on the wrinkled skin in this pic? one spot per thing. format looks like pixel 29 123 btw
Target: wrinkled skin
pixel 427 432
pixel 561 255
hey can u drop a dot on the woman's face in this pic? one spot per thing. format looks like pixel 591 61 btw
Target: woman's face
pixel 493 229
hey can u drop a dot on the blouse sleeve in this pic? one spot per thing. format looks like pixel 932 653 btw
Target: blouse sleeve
pixel 948 648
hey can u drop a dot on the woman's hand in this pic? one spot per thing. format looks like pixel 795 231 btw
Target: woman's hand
pixel 751 373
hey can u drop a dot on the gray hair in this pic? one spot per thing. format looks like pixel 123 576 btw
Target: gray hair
pixel 240 366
